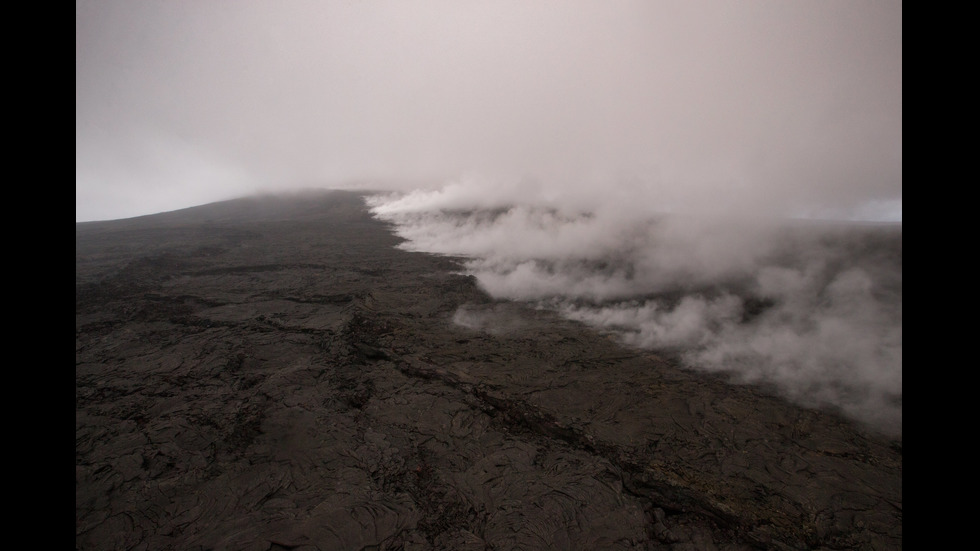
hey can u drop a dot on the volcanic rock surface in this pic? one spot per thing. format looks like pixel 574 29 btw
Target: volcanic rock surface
pixel 273 373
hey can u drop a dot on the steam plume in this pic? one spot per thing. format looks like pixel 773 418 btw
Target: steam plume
pixel 812 308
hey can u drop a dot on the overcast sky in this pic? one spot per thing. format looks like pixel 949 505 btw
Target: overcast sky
pixel 796 104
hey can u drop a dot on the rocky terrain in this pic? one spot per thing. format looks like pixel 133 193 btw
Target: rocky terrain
pixel 272 373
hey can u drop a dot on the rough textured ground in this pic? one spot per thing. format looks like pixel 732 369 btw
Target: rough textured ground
pixel 273 374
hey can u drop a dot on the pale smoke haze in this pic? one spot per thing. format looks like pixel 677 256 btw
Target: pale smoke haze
pixel 786 106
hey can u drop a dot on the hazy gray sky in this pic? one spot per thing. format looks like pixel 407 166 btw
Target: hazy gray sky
pixel 792 104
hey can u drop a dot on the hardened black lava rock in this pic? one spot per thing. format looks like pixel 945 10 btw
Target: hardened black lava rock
pixel 273 373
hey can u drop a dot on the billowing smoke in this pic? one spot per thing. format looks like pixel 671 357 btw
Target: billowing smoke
pixel 810 308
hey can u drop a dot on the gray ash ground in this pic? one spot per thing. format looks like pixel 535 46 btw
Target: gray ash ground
pixel 273 373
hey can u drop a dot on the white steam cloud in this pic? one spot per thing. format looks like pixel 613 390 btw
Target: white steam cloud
pixel 813 309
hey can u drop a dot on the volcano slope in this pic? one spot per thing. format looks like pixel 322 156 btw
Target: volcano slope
pixel 272 373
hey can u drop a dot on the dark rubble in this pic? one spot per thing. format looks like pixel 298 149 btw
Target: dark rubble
pixel 273 373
